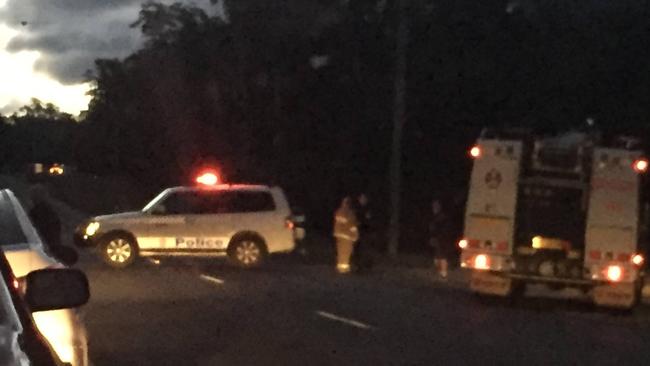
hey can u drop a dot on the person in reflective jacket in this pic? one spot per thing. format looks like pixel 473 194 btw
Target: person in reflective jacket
pixel 346 233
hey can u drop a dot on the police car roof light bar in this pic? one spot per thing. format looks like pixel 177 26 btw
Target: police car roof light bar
pixel 208 179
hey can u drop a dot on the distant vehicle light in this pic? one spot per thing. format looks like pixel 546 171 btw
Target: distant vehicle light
pixel 208 179
pixel 638 259
pixel 641 165
pixel 614 273
pixel 481 261
pixel 56 170
pixel 537 242
pixel 463 243
pixel 475 152
pixel 16 284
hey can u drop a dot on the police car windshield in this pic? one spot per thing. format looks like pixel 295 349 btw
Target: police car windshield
pixel 154 202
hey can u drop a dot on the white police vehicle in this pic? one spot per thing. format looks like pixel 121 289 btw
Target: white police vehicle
pixel 244 222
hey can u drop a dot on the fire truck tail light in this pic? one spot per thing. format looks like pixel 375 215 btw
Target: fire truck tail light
pixel 481 261
pixel 640 165
pixel 614 273
pixel 475 152
pixel 463 243
pixel 637 260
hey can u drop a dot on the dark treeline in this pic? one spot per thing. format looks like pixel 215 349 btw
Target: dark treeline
pixel 37 133
pixel 299 92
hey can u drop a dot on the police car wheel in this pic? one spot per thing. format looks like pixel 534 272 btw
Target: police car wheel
pixel 118 251
pixel 247 252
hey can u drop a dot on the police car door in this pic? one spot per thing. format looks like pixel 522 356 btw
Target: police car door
pixel 213 228
pixel 172 222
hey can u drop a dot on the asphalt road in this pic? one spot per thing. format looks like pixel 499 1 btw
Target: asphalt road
pixel 187 312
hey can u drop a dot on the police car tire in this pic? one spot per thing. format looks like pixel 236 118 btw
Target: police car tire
pixel 247 240
pixel 105 242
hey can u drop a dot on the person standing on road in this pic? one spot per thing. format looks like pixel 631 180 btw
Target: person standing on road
pixel 440 238
pixel 44 217
pixel 362 256
pixel 346 232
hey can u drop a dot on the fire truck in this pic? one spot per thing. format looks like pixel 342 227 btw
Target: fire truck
pixel 563 210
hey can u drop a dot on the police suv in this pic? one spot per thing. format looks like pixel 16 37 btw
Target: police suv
pixel 243 222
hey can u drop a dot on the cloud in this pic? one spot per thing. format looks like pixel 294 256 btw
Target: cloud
pixel 71 34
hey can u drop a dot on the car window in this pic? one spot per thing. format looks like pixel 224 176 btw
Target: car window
pixel 183 203
pixel 11 232
pixel 250 201
pixel 237 202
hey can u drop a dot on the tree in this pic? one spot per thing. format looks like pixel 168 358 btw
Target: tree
pixel 38 133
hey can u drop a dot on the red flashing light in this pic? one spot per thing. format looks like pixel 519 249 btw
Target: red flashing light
pixel 475 152
pixel 463 243
pixel 641 165
pixel 614 273
pixel 207 179
pixel 637 259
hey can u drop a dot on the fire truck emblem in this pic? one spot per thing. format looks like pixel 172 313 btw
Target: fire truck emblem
pixel 493 179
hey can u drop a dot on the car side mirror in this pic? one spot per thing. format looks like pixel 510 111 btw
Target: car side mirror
pixel 56 288
pixel 66 255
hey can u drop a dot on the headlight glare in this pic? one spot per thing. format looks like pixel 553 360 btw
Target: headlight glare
pixel 92 228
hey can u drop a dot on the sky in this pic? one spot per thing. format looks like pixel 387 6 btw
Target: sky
pixel 46 47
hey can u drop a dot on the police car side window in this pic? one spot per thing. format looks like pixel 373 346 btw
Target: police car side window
pixel 250 201
pixel 183 203
pixel 236 202
pixel 214 203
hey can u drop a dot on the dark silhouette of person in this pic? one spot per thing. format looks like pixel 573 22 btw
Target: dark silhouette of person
pixel 44 218
pixel 441 238
pixel 362 256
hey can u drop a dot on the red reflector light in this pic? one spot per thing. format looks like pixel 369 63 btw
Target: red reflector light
pixel 595 254
pixel 463 243
pixel 623 257
pixel 638 259
pixel 208 179
pixel 640 165
pixel 614 273
pixel 475 152
pixel 481 261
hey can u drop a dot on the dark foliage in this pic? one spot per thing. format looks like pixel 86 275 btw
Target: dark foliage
pixel 299 92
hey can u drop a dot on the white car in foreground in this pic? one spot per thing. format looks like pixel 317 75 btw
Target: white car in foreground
pixel 26 252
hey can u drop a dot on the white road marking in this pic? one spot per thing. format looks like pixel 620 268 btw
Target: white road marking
pixel 212 279
pixel 154 261
pixel 348 321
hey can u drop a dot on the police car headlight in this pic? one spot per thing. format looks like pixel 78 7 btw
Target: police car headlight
pixel 92 228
